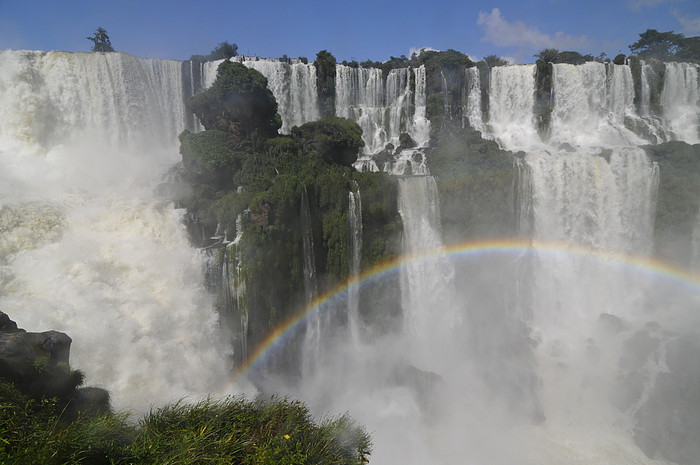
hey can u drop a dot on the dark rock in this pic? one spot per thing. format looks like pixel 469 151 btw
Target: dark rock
pixel 7 325
pixel 405 142
pixel 88 401
pixel 38 365
pixel 610 323
pixel 668 423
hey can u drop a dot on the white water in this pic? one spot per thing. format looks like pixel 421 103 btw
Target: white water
pixel 512 100
pixel 86 248
pixel 425 284
pixel 384 111
pixel 355 227
pixel 592 188
pixel 680 100
pixel 471 112
pixel 293 85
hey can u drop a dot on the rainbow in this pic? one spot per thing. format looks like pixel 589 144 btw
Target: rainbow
pixel 324 302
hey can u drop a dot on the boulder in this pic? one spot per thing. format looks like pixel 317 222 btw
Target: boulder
pixel 38 364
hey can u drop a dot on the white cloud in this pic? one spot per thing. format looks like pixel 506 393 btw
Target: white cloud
pixel 419 50
pixel 691 26
pixel 503 33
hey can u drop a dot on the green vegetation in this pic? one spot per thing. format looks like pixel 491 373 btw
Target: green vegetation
pixel 227 431
pixel 325 82
pixel 544 73
pixel 476 181
pixel 239 102
pixel 666 46
pixel 552 55
pixel 493 61
pixel 100 41
pixel 678 200
pixel 223 51
pixel 240 166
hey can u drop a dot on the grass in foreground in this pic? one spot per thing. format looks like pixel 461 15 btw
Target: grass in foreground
pixel 227 431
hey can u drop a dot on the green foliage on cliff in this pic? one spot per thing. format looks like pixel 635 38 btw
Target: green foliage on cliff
pixel 210 156
pixel 230 430
pixel 239 102
pixel 240 166
pixel 544 73
pixel 325 82
pixel 476 182
pixel 678 199
pixel 335 140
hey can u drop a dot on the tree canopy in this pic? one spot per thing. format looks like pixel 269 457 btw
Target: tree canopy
pixel 661 45
pixel 101 41
pixel 239 102
pixel 495 60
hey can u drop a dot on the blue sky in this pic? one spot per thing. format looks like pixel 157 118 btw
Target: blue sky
pixel 358 29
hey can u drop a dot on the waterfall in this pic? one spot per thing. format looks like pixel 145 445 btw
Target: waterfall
pixel 115 99
pixel 590 105
pixel 355 227
pixel 85 247
pixel 427 274
pixel 233 285
pixel 314 324
pixel 512 99
pixel 680 100
pixel 292 84
pixel 645 97
pixel 471 98
pixel 384 111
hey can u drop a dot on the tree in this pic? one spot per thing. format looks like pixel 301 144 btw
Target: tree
pixel 655 44
pixel 100 40
pixel 239 102
pixel 548 55
pixel 224 51
pixel 493 60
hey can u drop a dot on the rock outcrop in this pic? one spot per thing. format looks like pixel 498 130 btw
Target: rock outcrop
pixel 38 364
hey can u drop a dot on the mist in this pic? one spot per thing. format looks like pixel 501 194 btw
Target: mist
pixel 564 343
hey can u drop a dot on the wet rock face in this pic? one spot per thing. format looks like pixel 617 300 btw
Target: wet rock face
pixel 668 423
pixel 38 364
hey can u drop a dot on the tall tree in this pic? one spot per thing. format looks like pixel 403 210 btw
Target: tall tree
pixel 100 40
pixel 661 45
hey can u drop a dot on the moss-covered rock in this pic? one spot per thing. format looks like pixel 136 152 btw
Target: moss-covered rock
pixel 476 181
pixel 335 140
pixel 678 201
pixel 239 102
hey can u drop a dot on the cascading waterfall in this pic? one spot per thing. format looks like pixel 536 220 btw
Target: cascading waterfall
pixel 384 111
pixel 426 284
pixel 235 314
pixel 680 100
pixel 355 227
pixel 86 248
pixel 292 84
pixel 471 97
pixel 592 187
pixel 512 99
pixel 315 324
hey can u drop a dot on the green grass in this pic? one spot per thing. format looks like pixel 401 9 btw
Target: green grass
pixel 231 430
